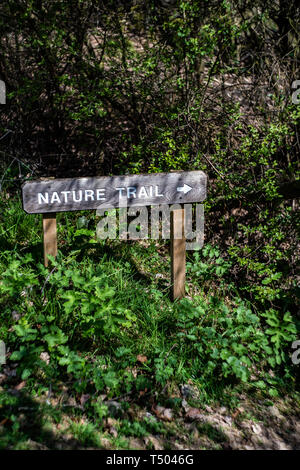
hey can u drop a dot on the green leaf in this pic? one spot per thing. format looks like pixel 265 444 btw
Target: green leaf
pixel 26 373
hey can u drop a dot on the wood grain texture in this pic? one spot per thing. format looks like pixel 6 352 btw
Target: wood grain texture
pixel 50 236
pixel 72 194
pixel 178 254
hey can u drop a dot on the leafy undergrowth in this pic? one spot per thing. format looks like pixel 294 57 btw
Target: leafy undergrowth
pixel 98 356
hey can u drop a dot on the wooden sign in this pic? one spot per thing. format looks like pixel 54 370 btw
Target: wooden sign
pixel 49 196
pixel 75 194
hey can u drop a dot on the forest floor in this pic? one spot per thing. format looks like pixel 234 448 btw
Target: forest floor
pixel 58 422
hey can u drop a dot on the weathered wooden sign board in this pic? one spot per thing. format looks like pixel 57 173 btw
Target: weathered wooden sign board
pixel 73 194
pixel 49 196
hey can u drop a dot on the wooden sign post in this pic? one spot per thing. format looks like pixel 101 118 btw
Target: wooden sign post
pixel 49 236
pixel 178 254
pixel 49 196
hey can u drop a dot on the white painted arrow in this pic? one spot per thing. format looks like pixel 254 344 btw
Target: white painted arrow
pixel 184 189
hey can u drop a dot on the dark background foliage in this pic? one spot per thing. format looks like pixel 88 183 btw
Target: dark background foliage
pixel 136 86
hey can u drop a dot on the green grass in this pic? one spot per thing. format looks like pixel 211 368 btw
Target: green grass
pixel 99 324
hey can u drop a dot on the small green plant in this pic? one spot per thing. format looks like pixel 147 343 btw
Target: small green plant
pixel 282 331
pixel 226 340
pixel 209 264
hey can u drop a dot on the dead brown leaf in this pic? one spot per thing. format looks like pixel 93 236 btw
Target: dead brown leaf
pixel 194 414
pixel 84 399
pixel 165 414
pixel 236 413
pixel 20 385
pixel 156 443
pixel 141 358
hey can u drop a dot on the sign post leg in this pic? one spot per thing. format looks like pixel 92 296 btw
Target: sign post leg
pixel 178 254
pixel 50 236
